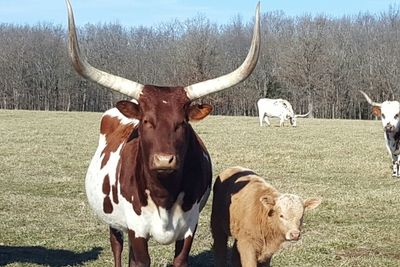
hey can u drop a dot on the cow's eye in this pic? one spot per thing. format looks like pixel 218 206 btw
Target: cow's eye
pixel 383 116
pixel 281 216
pixel 148 124
pixel 396 116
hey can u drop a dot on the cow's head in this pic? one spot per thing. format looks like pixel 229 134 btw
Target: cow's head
pixel 293 120
pixel 389 111
pixel 287 213
pixel 164 115
pixel 164 112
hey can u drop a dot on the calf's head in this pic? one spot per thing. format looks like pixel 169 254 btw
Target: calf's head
pixel 389 111
pixel 163 112
pixel 286 213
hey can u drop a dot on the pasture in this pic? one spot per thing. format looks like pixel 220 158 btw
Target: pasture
pixel 45 219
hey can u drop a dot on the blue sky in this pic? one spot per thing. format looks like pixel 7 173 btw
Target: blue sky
pixel 152 12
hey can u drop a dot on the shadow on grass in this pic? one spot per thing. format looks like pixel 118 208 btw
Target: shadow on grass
pixel 45 256
pixel 204 259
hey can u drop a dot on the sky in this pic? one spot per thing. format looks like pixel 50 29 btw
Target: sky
pixel 154 12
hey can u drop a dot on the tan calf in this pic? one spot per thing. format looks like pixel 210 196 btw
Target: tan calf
pixel 256 215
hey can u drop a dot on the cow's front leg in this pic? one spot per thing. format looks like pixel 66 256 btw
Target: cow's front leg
pixel 182 250
pixel 117 242
pixel 138 251
pixel 396 172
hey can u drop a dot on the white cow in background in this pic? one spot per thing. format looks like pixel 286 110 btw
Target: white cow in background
pixel 389 111
pixel 277 108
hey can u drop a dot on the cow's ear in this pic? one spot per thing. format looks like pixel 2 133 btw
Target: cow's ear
pixel 311 203
pixel 376 111
pixel 268 201
pixel 199 111
pixel 129 109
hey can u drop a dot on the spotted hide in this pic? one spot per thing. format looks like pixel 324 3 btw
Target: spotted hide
pixel 151 173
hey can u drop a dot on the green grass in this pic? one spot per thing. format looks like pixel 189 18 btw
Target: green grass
pixel 45 219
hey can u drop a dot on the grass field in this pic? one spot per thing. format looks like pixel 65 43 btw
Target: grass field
pixel 45 219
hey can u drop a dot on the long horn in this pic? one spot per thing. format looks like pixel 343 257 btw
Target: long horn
pixel 302 115
pixel 370 101
pixel 200 89
pixel 119 84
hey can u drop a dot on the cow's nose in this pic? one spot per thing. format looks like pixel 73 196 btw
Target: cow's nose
pixel 164 162
pixel 295 235
pixel 389 127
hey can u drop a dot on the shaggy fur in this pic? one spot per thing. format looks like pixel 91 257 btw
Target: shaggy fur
pixel 256 215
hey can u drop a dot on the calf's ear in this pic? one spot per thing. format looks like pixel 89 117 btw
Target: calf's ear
pixel 268 201
pixel 199 111
pixel 129 109
pixel 311 203
pixel 376 111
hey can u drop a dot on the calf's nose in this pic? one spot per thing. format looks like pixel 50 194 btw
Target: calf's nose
pixel 294 235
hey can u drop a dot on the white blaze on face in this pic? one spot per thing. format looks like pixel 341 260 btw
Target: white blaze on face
pixel 390 114
pixel 291 210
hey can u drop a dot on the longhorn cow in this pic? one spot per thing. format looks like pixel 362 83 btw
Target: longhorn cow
pixel 389 111
pixel 151 173
pixel 277 108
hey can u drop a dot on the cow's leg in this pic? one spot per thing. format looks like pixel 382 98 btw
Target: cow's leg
pixel 117 243
pixel 248 257
pixel 138 251
pixel 395 168
pixel 267 121
pixel 261 117
pixel 235 257
pixel 281 122
pixel 182 249
pixel 220 245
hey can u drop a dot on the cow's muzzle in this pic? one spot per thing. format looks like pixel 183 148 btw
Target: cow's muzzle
pixel 164 163
pixel 389 128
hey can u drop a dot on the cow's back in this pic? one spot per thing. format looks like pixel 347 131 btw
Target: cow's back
pixel 270 107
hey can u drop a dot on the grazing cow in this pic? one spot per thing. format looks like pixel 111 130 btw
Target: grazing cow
pixel 151 173
pixel 389 111
pixel 277 108
pixel 256 215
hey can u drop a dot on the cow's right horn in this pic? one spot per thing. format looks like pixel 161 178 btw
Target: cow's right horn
pixel 119 84
pixel 302 115
pixel 203 88
pixel 370 101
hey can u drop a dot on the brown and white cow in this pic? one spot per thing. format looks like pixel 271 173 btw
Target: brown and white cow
pixel 256 215
pixel 151 174
pixel 389 111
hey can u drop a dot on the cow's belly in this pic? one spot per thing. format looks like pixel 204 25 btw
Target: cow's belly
pixel 165 226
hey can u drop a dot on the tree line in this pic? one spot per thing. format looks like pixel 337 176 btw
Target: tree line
pixel 316 62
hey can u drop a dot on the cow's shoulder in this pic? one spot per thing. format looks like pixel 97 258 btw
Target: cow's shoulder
pixel 115 130
pixel 113 120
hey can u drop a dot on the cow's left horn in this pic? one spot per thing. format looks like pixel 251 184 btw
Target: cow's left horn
pixel 119 84
pixel 370 101
pixel 200 89
pixel 302 115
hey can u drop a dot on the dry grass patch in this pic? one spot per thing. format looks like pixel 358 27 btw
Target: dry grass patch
pixel 45 219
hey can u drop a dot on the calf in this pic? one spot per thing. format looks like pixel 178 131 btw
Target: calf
pixel 389 112
pixel 256 215
pixel 277 108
